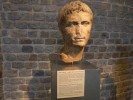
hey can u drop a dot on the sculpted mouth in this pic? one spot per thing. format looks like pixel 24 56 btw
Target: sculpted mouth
pixel 80 38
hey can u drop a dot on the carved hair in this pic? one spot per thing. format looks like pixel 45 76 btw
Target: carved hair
pixel 69 8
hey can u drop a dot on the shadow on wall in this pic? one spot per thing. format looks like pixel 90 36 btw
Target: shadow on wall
pixel 39 85
pixel 1 78
pixel 1 83
pixel 108 88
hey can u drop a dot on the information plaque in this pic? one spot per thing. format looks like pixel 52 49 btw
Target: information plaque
pixel 77 81
pixel 70 83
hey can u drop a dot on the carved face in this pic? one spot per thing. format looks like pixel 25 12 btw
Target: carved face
pixel 76 30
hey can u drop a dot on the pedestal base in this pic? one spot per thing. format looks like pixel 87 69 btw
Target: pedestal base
pixel 88 81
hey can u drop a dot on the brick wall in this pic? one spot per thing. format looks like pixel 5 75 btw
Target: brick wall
pixel 29 34
pixel 1 57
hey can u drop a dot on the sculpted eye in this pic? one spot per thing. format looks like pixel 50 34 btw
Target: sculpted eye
pixel 68 24
pixel 75 23
pixel 85 23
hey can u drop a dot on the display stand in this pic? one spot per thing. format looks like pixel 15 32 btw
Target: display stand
pixel 74 81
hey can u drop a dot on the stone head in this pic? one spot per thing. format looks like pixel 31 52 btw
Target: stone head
pixel 75 22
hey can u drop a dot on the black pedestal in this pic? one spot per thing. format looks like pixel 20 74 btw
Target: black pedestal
pixel 91 83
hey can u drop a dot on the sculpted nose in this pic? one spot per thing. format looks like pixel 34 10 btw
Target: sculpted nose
pixel 78 30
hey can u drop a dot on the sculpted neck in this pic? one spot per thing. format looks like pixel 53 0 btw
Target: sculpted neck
pixel 71 53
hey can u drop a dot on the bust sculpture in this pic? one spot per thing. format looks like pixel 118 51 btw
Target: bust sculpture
pixel 75 22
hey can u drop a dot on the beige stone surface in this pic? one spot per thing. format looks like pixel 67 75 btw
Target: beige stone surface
pixel 75 22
